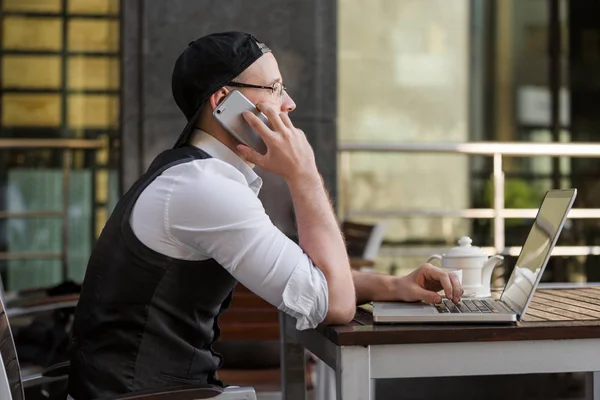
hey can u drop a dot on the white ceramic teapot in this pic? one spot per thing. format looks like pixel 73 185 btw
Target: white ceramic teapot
pixel 475 265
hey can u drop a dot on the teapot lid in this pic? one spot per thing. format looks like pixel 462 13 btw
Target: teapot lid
pixel 465 249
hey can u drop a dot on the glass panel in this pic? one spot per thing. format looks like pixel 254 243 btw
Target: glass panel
pixel 32 33
pixel 94 6
pixel 31 71
pixel 91 35
pixel 417 184
pixel 80 232
pixel 93 111
pixel 26 274
pixel 38 189
pixel 410 61
pixel 31 110
pixel 93 73
pixel 32 5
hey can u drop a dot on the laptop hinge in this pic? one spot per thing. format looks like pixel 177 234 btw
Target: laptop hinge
pixel 510 307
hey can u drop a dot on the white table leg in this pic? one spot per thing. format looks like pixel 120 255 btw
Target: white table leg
pixel 324 382
pixel 596 385
pixel 293 369
pixel 353 373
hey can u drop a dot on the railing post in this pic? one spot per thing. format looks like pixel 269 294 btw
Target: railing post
pixel 345 172
pixel 66 185
pixel 498 182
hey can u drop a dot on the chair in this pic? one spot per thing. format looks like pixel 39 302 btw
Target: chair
pixel 12 384
pixel 363 242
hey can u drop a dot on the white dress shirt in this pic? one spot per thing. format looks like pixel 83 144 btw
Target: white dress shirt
pixel 209 209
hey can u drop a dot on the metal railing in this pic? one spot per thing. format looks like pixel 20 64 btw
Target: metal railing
pixel 67 146
pixel 496 150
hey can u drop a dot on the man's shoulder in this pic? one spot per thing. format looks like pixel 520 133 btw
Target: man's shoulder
pixel 209 170
pixel 211 178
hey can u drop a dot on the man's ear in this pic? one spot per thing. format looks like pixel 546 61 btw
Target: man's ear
pixel 217 97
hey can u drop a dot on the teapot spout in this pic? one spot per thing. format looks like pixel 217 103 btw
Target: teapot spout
pixel 488 268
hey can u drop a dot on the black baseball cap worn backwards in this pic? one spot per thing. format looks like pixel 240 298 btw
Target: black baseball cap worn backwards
pixel 205 66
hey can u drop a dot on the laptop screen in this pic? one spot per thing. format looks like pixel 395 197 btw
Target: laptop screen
pixel 537 248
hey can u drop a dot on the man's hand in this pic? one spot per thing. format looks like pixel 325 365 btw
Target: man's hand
pixel 423 284
pixel 289 154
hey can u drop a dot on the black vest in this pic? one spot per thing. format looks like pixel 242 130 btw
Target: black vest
pixel 145 320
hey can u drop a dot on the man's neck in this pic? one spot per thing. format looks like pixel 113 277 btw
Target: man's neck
pixel 222 136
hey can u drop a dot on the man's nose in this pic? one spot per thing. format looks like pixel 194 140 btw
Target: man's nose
pixel 288 104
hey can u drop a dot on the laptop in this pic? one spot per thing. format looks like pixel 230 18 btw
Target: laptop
pixel 519 289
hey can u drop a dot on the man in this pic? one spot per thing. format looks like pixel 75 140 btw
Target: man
pixel 192 226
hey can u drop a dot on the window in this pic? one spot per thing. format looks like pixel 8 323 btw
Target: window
pixel 59 62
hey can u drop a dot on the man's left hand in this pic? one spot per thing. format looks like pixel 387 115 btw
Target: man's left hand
pixel 423 284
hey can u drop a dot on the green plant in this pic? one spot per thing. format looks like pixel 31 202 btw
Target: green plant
pixel 518 193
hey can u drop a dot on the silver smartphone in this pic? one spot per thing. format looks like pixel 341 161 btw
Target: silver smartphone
pixel 229 114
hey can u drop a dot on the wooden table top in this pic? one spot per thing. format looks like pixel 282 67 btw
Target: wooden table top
pixel 572 313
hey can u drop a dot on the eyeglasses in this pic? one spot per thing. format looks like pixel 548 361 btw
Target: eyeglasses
pixel 277 89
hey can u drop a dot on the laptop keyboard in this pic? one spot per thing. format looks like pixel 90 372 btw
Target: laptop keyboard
pixel 467 306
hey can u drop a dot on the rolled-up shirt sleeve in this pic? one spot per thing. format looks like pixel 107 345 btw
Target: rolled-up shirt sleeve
pixel 223 219
pixel 309 308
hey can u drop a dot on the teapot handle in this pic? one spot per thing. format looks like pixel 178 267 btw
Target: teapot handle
pixel 434 257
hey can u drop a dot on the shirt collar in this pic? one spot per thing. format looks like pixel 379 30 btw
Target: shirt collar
pixel 218 150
